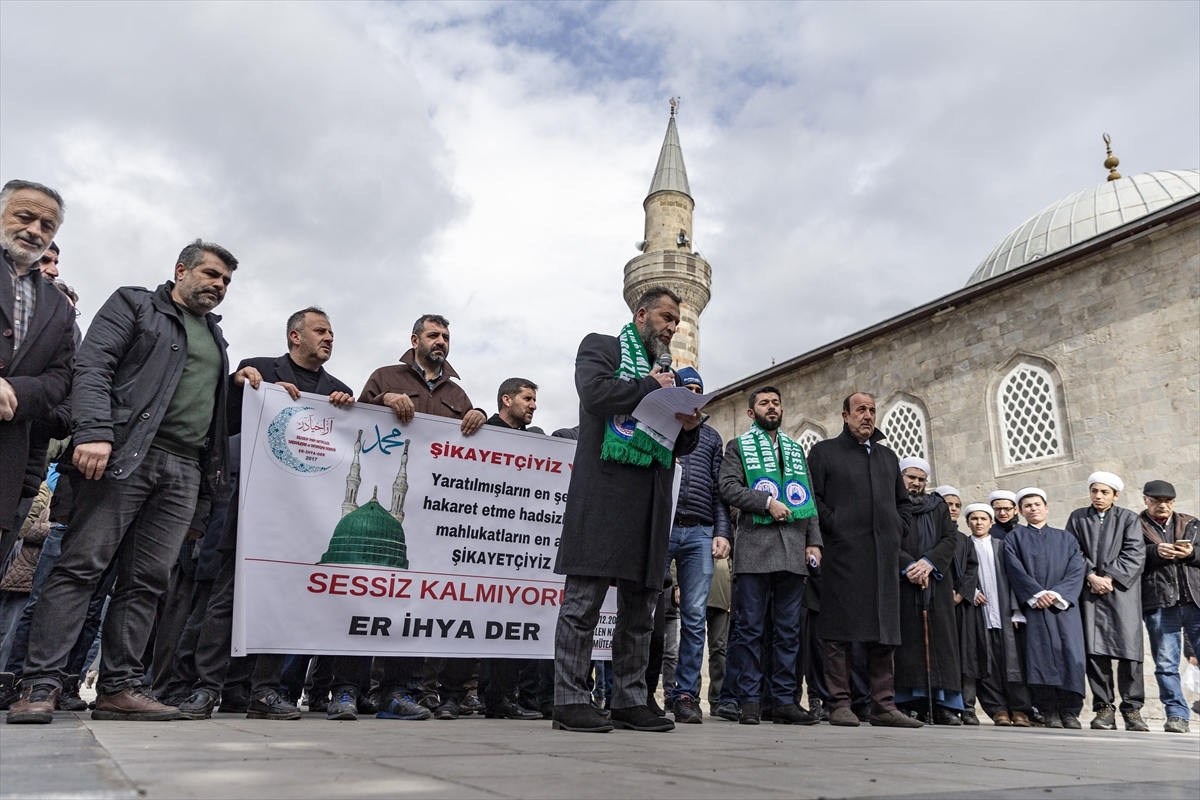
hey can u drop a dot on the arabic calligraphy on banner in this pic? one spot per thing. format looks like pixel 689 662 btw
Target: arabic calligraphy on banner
pixel 358 535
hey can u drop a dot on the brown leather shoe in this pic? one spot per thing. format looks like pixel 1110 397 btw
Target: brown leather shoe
pixel 134 705
pixel 895 719
pixel 35 706
pixel 1002 718
pixel 843 717
pixel 1021 720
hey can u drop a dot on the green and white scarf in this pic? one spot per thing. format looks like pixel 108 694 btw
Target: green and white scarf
pixel 625 439
pixel 763 474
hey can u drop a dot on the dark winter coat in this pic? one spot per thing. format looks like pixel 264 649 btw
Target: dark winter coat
pixel 1041 560
pixel 19 577
pixel 699 489
pixel 40 375
pixel 1163 582
pixel 974 640
pixel 945 670
pixel 776 547
pixel 126 372
pixel 1112 623
pixel 617 522
pixel 864 511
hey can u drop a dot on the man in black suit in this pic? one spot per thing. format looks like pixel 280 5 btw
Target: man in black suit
pixel 301 369
pixel 618 517
pixel 36 335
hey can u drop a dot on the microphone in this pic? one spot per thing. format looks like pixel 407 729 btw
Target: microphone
pixel 664 361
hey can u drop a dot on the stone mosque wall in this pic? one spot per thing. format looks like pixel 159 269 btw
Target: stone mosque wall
pixel 1093 364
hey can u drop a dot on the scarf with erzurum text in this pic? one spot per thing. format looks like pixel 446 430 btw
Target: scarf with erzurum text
pixel 626 440
pixel 789 485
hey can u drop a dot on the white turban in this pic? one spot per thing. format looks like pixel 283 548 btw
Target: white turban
pixel 915 461
pixel 1108 479
pixel 948 491
pixel 1027 491
pixel 973 507
pixel 1002 494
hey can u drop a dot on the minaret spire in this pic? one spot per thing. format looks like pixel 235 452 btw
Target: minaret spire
pixel 350 503
pixel 668 257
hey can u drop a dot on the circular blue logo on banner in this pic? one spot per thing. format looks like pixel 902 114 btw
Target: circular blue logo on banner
pixel 300 441
pixel 767 485
pixel 796 494
pixel 623 426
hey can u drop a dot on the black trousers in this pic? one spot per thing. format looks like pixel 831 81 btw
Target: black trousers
pixel 1130 683
pixel 996 693
pixel 1053 700
pixel 499 678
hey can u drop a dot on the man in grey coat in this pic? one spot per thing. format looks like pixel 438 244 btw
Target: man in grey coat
pixel 1114 556
pixel 777 538
pixel 617 522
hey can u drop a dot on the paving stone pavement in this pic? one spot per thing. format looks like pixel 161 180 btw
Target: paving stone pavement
pixel 78 758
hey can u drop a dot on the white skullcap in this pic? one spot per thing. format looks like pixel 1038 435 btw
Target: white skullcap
pixel 1028 490
pixel 948 491
pixel 973 507
pixel 1002 494
pixel 1108 479
pixel 915 461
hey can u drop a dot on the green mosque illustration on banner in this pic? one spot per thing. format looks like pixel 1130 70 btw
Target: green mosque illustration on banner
pixel 371 534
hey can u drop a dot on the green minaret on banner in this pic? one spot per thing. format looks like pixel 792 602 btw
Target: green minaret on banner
pixel 370 534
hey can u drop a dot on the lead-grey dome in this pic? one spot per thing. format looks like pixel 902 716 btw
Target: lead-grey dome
pixel 1086 214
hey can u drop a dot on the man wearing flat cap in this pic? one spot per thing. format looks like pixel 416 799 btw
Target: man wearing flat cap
pixel 1111 601
pixel 1170 594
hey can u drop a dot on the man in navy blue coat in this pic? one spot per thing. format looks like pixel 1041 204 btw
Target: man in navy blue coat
pixel 1045 575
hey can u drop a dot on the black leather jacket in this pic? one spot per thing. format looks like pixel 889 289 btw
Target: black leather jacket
pixel 125 373
pixel 1162 580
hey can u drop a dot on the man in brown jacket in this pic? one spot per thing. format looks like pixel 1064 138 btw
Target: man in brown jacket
pixel 420 382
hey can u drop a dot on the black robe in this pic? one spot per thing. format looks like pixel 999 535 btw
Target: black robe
pixel 974 639
pixel 617 523
pixel 941 537
pixel 864 510
pixel 1049 559
pixel 965 569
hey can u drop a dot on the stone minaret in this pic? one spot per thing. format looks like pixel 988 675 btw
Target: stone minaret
pixel 667 257
pixel 353 480
pixel 400 487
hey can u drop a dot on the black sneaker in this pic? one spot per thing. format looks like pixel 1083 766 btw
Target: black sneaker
pixel 318 702
pixel 686 711
pixel 641 718
pixel 430 700
pixel 10 690
pixel 1176 725
pixel 792 714
pixel 749 714
pixel 368 703
pixel 272 706
pixel 199 706
pixel 727 711
pixel 470 704
pixel 1105 720
pixel 343 706
pixel 398 705
pixel 1070 722
pixel 69 699
pixel 1134 722
pixel 447 710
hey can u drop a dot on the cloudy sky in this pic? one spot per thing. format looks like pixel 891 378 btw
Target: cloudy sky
pixel 488 161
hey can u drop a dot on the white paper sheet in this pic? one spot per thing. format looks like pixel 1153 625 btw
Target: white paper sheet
pixel 658 409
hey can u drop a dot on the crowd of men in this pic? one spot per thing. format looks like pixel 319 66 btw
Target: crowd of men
pixel 838 569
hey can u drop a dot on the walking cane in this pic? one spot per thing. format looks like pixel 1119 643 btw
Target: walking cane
pixel 928 664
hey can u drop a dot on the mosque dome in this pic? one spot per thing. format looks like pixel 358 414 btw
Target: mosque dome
pixel 1085 214
pixel 368 535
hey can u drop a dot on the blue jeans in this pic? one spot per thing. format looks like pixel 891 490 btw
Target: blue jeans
pixel 778 594
pixel 691 549
pixel 1166 642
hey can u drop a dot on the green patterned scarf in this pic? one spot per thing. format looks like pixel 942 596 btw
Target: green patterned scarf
pixel 763 474
pixel 625 439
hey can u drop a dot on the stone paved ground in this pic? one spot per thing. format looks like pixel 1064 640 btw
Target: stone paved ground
pixel 78 758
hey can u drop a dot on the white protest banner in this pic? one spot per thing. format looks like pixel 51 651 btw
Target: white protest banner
pixel 359 535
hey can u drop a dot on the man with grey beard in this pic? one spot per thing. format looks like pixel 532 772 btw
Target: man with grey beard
pixel 36 336
pixel 149 448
